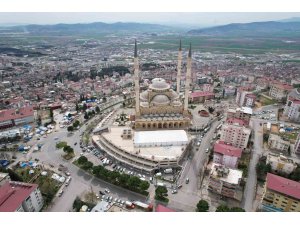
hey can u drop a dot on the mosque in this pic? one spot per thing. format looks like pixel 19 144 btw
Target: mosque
pixel 160 107
pixel 157 138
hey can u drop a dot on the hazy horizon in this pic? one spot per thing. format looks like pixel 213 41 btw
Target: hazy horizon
pixel 191 19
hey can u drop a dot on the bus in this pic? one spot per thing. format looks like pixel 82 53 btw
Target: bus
pixel 145 207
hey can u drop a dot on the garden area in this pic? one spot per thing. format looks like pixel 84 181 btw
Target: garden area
pixel 132 183
pixel 266 101
pixel 244 163
pixel 122 119
pixel 161 194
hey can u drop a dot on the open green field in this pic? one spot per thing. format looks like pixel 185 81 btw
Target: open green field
pixel 225 44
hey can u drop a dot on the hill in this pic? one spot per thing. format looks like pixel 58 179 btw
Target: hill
pixel 255 29
pixel 96 28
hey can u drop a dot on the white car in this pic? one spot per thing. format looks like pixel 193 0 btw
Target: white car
pixel 106 190
pixel 207 150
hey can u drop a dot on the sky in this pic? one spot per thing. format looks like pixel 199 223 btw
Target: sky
pixel 186 18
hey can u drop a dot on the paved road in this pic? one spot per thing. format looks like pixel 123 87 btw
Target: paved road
pixel 189 195
pixel 250 190
pixel 81 181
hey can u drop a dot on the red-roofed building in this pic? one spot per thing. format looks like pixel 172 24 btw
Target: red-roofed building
pixel 240 122
pixel 161 208
pixel 20 197
pixel 281 195
pixel 226 155
pixel 15 117
pixel 200 96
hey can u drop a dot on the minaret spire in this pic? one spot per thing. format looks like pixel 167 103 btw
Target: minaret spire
pixel 178 79
pixel 188 80
pixel 136 81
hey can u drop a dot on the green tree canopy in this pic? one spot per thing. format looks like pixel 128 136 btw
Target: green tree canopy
pixel 222 208
pixel 202 206
pixel 82 160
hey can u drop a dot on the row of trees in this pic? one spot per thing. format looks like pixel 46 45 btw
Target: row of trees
pixel 203 206
pixel 262 168
pixel 132 183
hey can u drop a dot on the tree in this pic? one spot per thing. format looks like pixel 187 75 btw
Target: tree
pixel 222 208
pixel 76 123
pixel 133 182
pixel 39 121
pixel 97 109
pixel 77 107
pixel 266 137
pixel 90 113
pixel 211 109
pixel 82 160
pixel 144 185
pixel 88 165
pixel 237 209
pixel 77 204
pixel 160 193
pixel 67 149
pixel 51 115
pixel 84 107
pixel 70 128
pixel 86 116
pixel 202 206
pixel 295 175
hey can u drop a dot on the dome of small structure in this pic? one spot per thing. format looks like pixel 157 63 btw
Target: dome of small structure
pixel 144 96
pixel 159 84
pixel 160 100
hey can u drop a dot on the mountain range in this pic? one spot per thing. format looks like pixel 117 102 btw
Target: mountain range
pixel 270 28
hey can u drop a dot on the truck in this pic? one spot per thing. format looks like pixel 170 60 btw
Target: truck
pixel 169 170
pixel 143 206
pixel 129 205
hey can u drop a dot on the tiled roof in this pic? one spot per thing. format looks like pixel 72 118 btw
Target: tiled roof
pixel 283 185
pixel 12 194
pixel 229 150
pixel 12 114
pixel 161 208
pixel 201 94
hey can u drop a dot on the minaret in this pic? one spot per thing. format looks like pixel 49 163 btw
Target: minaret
pixel 188 80
pixel 179 68
pixel 136 81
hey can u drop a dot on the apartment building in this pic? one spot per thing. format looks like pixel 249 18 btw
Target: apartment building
pixel 236 135
pixel 20 197
pixel 4 177
pixel 281 195
pixel 225 181
pixel 15 117
pixel 297 145
pixel 226 155
pixel 279 91
pixel 244 97
pixel 276 142
pixel 243 113
pixel 201 96
pixel 292 107
pixel 280 163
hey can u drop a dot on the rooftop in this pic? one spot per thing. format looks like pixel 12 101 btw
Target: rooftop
pixel 232 177
pixel 12 194
pixel 160 136
pixel 160 152
pixel 283 185
pixel 201 94
pixel 161 208
pixel 11 114
pixel 229 150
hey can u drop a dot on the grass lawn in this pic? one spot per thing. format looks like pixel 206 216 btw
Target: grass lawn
pixel 265 101
pixel 61 144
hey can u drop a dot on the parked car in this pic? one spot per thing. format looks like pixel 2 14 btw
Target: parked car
pixel 174 191
pixel 187 180
pixel 106 190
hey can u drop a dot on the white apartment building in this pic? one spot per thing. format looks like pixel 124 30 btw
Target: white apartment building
pixel 236 135
pixel 275 142
pixel 280 163
pixel 292 107
pixel 20 197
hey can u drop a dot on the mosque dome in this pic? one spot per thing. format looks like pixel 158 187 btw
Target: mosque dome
pixel 144 96
pixel 160 100
pixel 159 84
